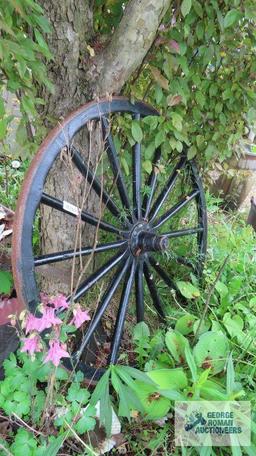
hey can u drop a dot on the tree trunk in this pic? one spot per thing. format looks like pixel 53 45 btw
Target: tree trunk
pixel 77 78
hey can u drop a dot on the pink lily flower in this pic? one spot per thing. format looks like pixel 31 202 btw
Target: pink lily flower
pixel 31 345
pixel 79 316
pixel 59 302
pixel 33 324
pixel 49 319
pixel 56 352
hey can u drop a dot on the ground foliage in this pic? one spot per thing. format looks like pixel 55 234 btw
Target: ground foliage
pixel 207 351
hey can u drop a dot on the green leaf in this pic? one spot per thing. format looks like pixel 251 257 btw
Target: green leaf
pixel 191 363
pixel 185 324
pixel 87 422
pixel 54 447
pixel 230 375
pixel 168 379
pixel 176 120
pixel 160 138
pixel 100 388
pixel 198 8
pixel 78 394
pixel 147 166
pixel 6 282
pixel 188 290
pixel 231 18
pixel 233 324
pixel 141 331
pixel 192 151
pixel 176 344
pixel 125 166
pixel 137 132
pixel 131 372
pixel 154 405
pixel 211 351
pixel 186 7
pixel 2 110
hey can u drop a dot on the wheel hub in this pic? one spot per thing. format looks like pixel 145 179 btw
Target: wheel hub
pixel 143 239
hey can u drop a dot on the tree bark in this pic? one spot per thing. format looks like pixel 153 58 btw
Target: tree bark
pixel 78 78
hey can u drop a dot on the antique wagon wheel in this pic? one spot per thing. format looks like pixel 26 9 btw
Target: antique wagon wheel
pixel 138 213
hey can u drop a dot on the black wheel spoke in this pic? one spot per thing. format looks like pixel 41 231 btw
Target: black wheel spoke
pixel 181 233
pixel 182 203
pixel 136 167
pixel 118 331
pixel 151 183
pixel 108 295
pixel 97 186
pixel 74 211
pixel 139 290
pixel 184 261
pixel 115 165
pixel 153 291
pixel 97 275
pixel 163 274
pixel 69 254
pixel 167 188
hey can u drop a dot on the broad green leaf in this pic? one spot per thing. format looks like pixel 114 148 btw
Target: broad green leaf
pixel 147 166
pixel 176 120
pixel 160 138
pixel 234 324
pixel 186 7
pixel 185 324
pixel 176 344
pixel 137 131
pixel 198 8
pixel 87 422
pixel 192 151
pixel 6 282
pixel 191 363
pixel 155 406
pixel 169 378
pixel 222 289
pixel 211 351
pixel 231 18
pixel 188 290
pixel 76 393
pixel 141 331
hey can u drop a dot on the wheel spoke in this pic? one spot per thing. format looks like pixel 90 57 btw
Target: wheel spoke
pixel 108 295
pixel 182 203
pixel 180 233
pixel 89 175
pixel 163 274
pixel 167 188
pixel 74 211
pixel 118 331
pixel 115 165
pixel 153 291
pixel 68 254
pixel 97 275
pixel 136 168
pixel 151 183
pixel 139 290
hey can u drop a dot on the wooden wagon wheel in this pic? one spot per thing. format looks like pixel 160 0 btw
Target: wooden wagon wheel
pixel 139 223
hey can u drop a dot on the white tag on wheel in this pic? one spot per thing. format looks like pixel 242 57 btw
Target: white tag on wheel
pixel 70 208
